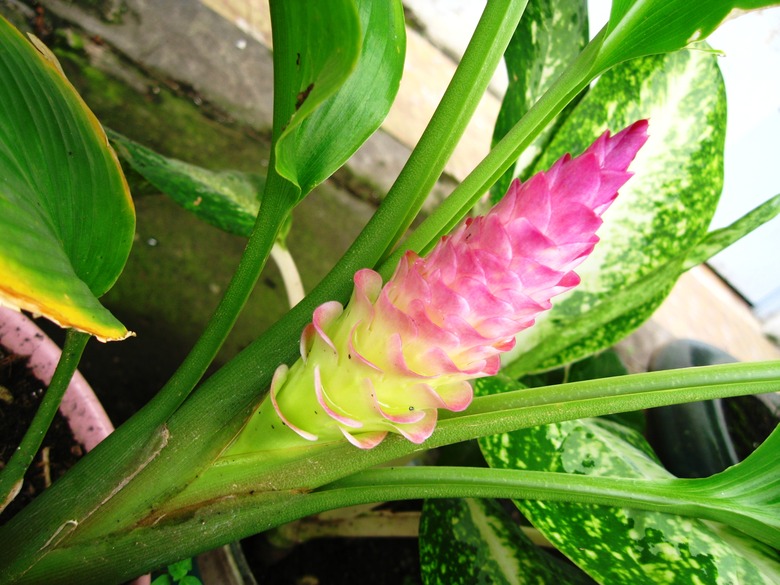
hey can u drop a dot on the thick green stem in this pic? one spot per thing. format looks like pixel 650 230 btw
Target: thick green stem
pixel 12 475
pixel 246 495
pixel 187 531
pixel 276 205
pixel 687 497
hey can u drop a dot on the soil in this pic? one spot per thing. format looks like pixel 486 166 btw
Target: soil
pixel 20 394
pixel 338 561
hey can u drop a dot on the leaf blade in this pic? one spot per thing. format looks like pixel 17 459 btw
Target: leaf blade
pixel 464 541
pixel 228 200
pixel 621 545
pixel 722 238
pixel 355 90
pixel 560 32
pixel 645 27
pixel 660 214
pixel 66 217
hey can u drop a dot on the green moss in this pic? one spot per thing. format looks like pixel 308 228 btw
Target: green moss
pixel 107 10
pixel 170 123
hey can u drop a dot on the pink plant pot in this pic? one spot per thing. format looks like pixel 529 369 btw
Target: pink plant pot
pixel 81 408
pixel 87 419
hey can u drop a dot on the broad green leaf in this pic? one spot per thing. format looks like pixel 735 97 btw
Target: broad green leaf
pixel 469 541
pixel 228 200
pixel 622 545
pixel 66 217
pixel 338 87
pixel 661 213
pixel 646 27
pixel 722 238
pixel 559 31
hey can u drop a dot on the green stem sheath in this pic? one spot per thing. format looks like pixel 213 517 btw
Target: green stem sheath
pixel 193 529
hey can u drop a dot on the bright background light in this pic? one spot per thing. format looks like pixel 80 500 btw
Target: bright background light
pixel 751 69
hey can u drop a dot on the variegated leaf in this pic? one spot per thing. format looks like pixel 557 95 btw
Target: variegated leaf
pixel 559 31
pixel 228 200
pixel 661 213
pixel 622 545
pixel 470 541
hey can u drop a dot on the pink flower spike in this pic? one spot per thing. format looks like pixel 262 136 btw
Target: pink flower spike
pixel 401 351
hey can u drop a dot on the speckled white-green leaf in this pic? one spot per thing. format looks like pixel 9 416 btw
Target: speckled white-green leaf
pixel 467 541
pixel 558 30
pixel 228 200
pixel 621 545
pixel 661 213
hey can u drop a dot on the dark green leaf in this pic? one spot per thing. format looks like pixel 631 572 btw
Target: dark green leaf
pixel 469 541
pixel 559 31
pixel 66 217
pixel 338 87
pixel 661 213
pixel 228 200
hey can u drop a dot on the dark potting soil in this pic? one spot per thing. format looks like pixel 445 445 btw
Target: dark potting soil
pixel 20 395
pixel 339 561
